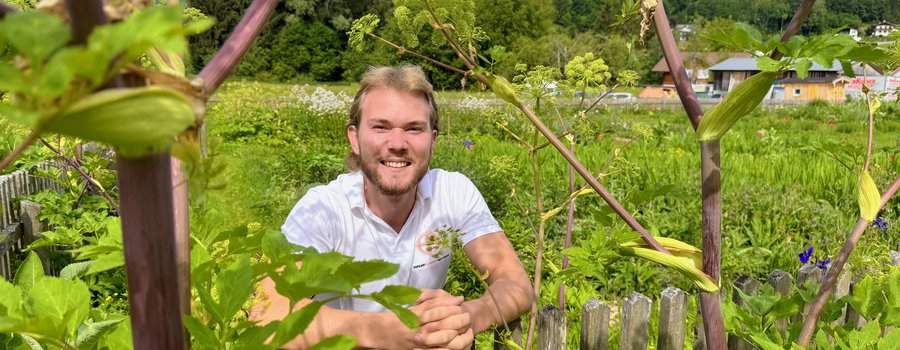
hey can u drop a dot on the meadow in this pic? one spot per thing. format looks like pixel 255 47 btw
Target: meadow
pixel 785 183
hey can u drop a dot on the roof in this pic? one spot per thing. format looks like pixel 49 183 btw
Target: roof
pixel 704 59
pixel 749 64
pixel 807 80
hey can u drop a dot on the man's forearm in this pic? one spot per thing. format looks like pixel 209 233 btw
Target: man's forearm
pixel 506 299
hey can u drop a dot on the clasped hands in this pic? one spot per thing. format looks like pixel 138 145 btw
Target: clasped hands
pixel 443 322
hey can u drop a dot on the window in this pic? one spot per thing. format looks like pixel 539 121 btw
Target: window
pixel 796 92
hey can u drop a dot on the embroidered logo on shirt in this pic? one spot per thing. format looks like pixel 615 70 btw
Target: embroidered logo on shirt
pixel 427 244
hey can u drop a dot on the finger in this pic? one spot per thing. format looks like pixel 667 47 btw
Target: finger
pixel 459 322
pixel 438 338
pixel 439 313
pixel 430 294
pixel 436 303
pixel 462 341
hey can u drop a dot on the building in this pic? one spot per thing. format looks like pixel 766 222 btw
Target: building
pixel 826 89
pixel 685 31
pixel 731 72
pixel 881 29
pixel 852 32
pixel 696 64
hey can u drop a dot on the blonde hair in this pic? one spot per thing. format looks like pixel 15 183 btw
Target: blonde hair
pixel 406 78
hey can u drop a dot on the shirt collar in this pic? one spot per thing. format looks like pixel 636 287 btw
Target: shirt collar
pixel 353 188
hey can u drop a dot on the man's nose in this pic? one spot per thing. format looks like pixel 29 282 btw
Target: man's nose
pixel 397 139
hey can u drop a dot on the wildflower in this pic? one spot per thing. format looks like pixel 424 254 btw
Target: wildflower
pixel 804 256
pixel 880 223
pixel 832 122
pixel 468 144
pixel 253 226
pixel 823 264
pixel 760 133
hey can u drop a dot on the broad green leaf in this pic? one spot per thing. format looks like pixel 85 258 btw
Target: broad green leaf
pixel 66 303
pixel 89 334
pixel 865 337
pixel 891 316
pixel 867 298
pixel 134 120
pixel 54 79
pixel 11 79
pixel 199 331
pixel 822 340
pixel 802 67
pixel 75 270
pixel 866 53
pixel 847 67
pixel 32 343
pixel 893 288
pixel 25 117
pixel 740 102
pixel 891 340
pixel 359 272
pixel 764 343
pixel 762 302
pixel 234 285
pixel 680 264
pixel 34 34
pixel 317 274
pixel 10 299
pixel 119 338
pixel 767 64
pixel 275 245
pixel 107 262
pixel 399 294
pixel 408 318
pixel 31 271
pixel 198 25
pixel 252 337
pixel 338 342
pixel 295 323
pixel 82 62
pixel 868 196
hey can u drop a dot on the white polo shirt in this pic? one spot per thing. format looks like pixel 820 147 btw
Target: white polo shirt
pixel 335 217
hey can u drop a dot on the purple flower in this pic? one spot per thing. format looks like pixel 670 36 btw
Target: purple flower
pixel 823 264
pixel 468 144
pixel 804 256
pixel 880 223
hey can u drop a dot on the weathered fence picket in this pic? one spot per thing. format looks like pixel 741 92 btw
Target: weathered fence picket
pixel 635 310
pixel 13 186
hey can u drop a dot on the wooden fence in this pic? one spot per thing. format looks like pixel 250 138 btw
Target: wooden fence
pixel 634 316
pixel 13 186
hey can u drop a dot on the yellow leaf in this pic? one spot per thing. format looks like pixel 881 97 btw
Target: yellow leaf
pixel 680 264
pixel 868 196
pixel 739 102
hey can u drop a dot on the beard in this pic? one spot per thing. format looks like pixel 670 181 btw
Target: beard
pixel 390 187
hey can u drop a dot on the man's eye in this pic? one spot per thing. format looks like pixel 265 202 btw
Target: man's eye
pixel 379 127
pixel 415 130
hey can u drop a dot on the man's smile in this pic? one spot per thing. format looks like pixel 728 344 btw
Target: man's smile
pixel 396 164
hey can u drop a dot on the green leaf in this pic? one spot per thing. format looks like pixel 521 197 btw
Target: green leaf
pixel 107 262
pixel 119 338
pixel 866 53
pixel 867 298
pixel 295 323
pixel 65 303
pixel 399 294
pixel 822 340
pixel 31 271
pixel 199 331
pixel 764 343
pixel 235 286
pixel 275 245
pixel 54 79
pixel 89 334
pixel 136 121
pixel 75 270
pixel 253 336
pixel 762 302
pixel 10 300
pixel 740 102
pixel 802 67
pixel 11 79
pixel 865 337
pixel 891 316
pixel 198 25
pixel 893 288
pixel 32 343
pixel 337 342
pixel 359 272
pixel 891 340
pixel 847 67
pixel 34 34
pixel 868 196
pixel 767 64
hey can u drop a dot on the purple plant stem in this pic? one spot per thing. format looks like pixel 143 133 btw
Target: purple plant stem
pixel 228 56
pixel 6 9
pixel 794 26
pixel 831 277
pixel 711 196
pixel 676 66
pixel 148 227
pixel 570 218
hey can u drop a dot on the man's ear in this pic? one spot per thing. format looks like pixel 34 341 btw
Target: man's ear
pixel 352 136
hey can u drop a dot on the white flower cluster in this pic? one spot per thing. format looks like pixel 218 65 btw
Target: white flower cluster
pixel 321 101
pixel 474 103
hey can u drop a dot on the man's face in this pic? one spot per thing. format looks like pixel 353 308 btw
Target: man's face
pixel 394 140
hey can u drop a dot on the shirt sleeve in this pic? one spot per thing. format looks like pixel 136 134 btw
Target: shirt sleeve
pixel 306 225
pixel 475 218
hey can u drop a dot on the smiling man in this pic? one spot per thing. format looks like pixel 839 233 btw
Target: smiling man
pixel 387 210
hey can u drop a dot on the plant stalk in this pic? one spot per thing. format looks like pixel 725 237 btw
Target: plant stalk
pixel 228 56
pixel 19 149
pixel 539 246
pixel 6 9
pixel 676 66
pixel 831 277
pixel 402 50
pixel 711 194
pixel 570 219
pixel 871 132
pixel 794 26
